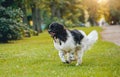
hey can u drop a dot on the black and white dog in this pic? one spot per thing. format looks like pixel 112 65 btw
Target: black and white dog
pixel 71 42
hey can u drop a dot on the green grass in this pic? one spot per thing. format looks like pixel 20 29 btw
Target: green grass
pixel 37 57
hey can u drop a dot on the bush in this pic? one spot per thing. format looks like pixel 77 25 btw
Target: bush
pixel 11 25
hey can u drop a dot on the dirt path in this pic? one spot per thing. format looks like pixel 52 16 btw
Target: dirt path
pixel 111 33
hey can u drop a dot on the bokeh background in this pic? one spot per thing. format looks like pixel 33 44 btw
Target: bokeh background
pixel 24 18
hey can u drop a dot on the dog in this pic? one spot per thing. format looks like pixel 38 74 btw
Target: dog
pixel 71 42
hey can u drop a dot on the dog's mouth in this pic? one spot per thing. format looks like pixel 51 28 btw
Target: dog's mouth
pixel 52 34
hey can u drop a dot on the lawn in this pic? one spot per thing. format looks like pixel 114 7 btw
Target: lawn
pixel 36 57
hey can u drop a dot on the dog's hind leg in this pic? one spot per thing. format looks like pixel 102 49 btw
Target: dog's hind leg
pixel 80 53
pixel 79 57
pixel 68 57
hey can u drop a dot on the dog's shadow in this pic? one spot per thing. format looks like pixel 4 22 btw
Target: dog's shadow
pixel 73 64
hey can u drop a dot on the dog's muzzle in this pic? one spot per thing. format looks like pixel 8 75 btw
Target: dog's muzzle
pixel 51 33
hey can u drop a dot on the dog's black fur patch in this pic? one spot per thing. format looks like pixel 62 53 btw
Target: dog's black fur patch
pixel 77 36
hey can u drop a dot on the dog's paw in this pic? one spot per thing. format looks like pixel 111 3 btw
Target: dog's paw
pixel 78 64
pixel 66 62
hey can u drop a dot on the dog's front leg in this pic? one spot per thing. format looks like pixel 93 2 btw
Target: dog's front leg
pixel 68 58
pixel 62 56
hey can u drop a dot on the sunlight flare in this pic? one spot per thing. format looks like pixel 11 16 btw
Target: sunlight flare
pixel 102 1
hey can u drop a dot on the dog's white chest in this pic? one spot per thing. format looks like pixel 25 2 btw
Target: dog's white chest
pixel 64 46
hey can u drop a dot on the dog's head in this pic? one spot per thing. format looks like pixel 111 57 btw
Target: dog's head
pixel 55 29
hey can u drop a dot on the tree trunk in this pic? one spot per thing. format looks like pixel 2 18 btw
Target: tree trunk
pixel 59 13
pixel 25 20
pixel 53 8
pixel 56 12
pixel 36 18
pixel 23 8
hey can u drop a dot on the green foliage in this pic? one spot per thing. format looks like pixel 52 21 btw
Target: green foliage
pixel 114 11
pixel 92 7
pixel 37 57
pixel 67 12
pixel 1 1
pixel 11 26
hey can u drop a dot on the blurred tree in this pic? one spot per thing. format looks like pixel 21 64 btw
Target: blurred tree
pixel 7 3
pixel 67 10
pixel 74 11
pixel 55 6
pixel 23 4
pixel 11 26
pixel 103 10
pixel 92 8
pixel 17 4
pixel 36 16
pixel 114 7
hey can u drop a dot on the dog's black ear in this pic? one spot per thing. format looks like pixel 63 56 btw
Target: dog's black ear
pixel 57 25
pixel 60 26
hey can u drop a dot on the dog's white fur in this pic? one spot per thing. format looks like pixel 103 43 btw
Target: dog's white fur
pixel 70 46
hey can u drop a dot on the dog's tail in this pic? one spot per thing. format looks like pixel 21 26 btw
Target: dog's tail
pixel 91 39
